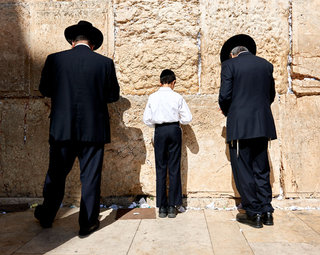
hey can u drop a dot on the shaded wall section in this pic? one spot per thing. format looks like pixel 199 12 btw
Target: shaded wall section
pixel 144 37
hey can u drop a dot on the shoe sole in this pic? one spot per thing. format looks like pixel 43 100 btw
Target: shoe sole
pixel 171 215
pixel 268 223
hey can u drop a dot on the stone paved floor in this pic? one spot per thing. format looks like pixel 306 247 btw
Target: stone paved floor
pixel 193 232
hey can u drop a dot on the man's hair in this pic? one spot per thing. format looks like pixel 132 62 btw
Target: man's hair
pixel 82 38
pixel 167 76
pixel 236 50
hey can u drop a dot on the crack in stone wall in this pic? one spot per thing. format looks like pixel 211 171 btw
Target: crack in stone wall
pixel 289 66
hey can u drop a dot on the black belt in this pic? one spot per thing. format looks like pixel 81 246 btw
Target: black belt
pixel 167 124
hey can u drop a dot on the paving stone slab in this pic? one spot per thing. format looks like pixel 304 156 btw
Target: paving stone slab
pixel 185 234
pixel 285 248
pixel 113 237
pixel 225 234
pixel 287 228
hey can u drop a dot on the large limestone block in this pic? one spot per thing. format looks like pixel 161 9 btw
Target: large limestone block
pixel 300 145
pixel 208 161
pixel 24 147
pixel 126 154
pixel 154 35
pixel 265 21
pixel 129 166
pixel 49 20
pixel 14 57
pixel 306 48
pixel 307 86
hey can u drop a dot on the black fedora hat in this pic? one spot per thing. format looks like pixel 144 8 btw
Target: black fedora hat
pixel 84 28
pixel 234 41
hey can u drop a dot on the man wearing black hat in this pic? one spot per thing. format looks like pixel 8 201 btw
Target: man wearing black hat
pixel 80 83
pixel 246 93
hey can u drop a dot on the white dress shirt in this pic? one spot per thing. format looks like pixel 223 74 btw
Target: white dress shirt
pixel 165 106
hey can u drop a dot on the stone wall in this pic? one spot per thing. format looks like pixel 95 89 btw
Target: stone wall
pixel 144 37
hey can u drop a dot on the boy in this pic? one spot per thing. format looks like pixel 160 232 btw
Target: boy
pixel 164 111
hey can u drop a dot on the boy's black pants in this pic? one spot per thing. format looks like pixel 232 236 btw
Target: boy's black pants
pixel 167 149
pixel 62 157
pixel 251 172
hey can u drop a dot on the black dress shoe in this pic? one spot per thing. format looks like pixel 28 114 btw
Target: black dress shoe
pixel 172 212
pixel 253 221
pixel 267 218
pixel 163 212
pixel 39 215
pixel 85 231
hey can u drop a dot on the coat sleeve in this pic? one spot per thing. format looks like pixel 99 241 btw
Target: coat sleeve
pixel 272 87
pixel 226 86
pixel 45 86
pixel 112 92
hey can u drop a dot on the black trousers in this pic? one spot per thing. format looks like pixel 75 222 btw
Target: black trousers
pixel 251 171
pixel 62 157
pixel 167 149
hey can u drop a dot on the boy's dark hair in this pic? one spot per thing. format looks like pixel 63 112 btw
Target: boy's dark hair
pixel 167 76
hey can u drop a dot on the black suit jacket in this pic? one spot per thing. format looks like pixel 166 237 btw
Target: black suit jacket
pixel 246 93
pixel 80 83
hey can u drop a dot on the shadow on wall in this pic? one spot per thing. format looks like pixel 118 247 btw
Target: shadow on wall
pixel 19 70
pixel 189 141
pixel 123 156
pixel 23 118
pixel 25 112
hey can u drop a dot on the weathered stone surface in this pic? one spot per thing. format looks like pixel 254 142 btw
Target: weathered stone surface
pixel 123 171
pixel 306 86
pixel 35 29
pixel 154 35
pixel 265 21
pixel 305 47
pixel 146 37
pixel 24 150
pixel 14 57
pixel 305 28
pixel 129 166
pixel 300 136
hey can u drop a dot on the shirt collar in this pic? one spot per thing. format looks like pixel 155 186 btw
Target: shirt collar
pixel 242 53
pixel 165 89
pixel 82 44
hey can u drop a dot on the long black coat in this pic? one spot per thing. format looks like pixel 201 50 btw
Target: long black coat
pixel 80 83
pixel 246 93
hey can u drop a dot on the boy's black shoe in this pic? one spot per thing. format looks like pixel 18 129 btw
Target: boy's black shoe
pixel 38 214
pixel 163 212
pixel 172 212
pixel 85 231
pixel 253 221
pixel 267 218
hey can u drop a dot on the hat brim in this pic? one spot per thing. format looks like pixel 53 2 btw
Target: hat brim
pixel 93 34
pixel 234 41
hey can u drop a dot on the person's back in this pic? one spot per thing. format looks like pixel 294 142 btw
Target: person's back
pixel 167 106
pixel 81 85
pixel 249 113
pixel 252 81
